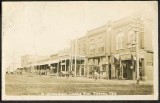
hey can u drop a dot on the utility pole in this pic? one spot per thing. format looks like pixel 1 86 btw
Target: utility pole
pixel 71 55
pixel 137 50
pixel 75 58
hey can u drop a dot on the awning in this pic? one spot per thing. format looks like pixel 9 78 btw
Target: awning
pixel 116 56
pixel 52 61
pixel 79 57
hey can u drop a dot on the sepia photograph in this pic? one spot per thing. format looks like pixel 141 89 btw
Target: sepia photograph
pixel 80 50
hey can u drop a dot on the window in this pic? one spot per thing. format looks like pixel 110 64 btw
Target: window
pixel 120 43
pixel 92 46
pixel 100 45
pixel 79 49
pixel 131 39
pixel 84 49
pixel 104 68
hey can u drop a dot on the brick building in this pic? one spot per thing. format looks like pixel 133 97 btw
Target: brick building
pixel 123 48
pixel 110 50
pixel 98 52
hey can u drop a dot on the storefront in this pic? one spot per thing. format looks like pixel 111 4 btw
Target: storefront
pixel 99 65
pixel 125 67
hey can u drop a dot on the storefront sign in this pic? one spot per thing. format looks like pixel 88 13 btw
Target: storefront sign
pixel 126 57
pixel 116 56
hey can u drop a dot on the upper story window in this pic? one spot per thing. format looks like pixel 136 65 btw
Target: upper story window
pixel 120 43
pixel 100 45
pixel 131 39
pixel 92 46
pixel 79 49
pixel 84 48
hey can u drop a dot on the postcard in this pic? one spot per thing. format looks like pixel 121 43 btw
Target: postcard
pixel 80 50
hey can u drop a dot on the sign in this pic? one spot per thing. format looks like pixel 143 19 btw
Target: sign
pixel 126 57
pixel 116 56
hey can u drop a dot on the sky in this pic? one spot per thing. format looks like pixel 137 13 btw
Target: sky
pixel 43 28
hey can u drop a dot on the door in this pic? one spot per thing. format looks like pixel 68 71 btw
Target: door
pixel 127 71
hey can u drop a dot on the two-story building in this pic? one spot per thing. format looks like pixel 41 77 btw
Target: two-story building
pixel 81 56
pixel 98 52
pixel 131 36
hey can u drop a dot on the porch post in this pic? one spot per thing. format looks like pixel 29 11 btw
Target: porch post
pixel 61 65
pixel 65 66
pixel 80 70
pixel 107 72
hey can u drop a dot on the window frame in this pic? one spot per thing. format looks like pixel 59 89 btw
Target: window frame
pixel 100 44
pixel 119 41
pixel 92 46
pixel 133 40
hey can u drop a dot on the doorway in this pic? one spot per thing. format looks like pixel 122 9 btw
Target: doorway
pixel 127 71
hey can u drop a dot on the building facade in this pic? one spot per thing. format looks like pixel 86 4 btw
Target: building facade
pixel 81 52
pixel 98 52
pixel 131 38
pixel 114 51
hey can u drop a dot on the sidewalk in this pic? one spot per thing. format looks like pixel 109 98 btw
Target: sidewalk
pixel 121 82
pixel 86 80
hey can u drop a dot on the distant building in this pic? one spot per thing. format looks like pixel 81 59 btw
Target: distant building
pixel 79 51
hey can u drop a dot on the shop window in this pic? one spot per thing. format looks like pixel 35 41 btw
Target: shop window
pixel 90 70
pixel 104 68
pixel 131 39
pixel 120 43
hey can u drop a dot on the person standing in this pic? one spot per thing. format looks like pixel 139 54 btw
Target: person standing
pixel 100 72
pixel 95 75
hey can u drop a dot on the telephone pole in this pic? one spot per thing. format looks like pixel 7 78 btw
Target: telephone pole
pixel 137 55
pixel 71 55
pixel 136 27
pixel 75 58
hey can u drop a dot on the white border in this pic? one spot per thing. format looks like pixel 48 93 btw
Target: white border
pixel 107 97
